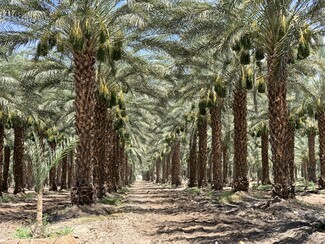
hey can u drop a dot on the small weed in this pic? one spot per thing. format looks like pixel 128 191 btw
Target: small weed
pixel 61 232
pixel 111 201
pixel 262 187
pixel 209 193
pixel 193 191
pixel 228 196
pixel 312 186
pixel 5 198
pixel 23 233
pixel 29 195
pixel 123 190
pixel 167 186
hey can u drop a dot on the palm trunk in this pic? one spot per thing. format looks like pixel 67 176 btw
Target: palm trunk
pixel 291 152
pixel 6 164
pixel 84 191
pixel 321 129
pixel 109 152
pixel 278 124
pixel 209 169
pixel 168 163
pixel 39 213
pixel 115 163
pixel 64 173
pixel 265 158
pixel 216 125
pixel 164 168
pixel 176 164
pixel 29 174
pixel 59 174
pixel 158 167
pixel 122 166
pixel 100 147
pixel 2 133
pixel 193 161
pixel 127 171
pixel 53 171
pixel 240 169
pixel 70 169
pixel 225 162
pixel 311 155
pixel 202 160
pixel 18 159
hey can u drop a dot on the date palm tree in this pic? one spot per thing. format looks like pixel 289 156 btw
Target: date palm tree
pixel 86 30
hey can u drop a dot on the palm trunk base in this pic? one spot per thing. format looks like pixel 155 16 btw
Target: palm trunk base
pixel 102 191
pixel 19 190
pixel 83 194
pixel 283 191
pixel 217 186
pixel 241 184
pixel 321 182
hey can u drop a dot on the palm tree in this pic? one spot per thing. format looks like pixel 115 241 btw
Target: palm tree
pixel 216 145
pixel 240 168
pixel 19 134
pixel 158 169
pixel 202 134
pixel 86 30
pixel 193 160
pixel 279 26
pixel 43 161
pixel 175 171
pixel 311 133
pixel 1 153
pixel 6 164
pixel 263 133
pixel 314 90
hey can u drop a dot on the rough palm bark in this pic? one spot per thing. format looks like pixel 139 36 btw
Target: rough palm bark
pixel 164 169
pixel 216 125
pixel 59 174
pixel 100 147
pixel 312 157
pixel 193 161
pixel 115 163
pixel 122 166
pixel 64 173
pixel 53 171
pixel 128 171
pixel 202 158
pixel 18 158
pixel 240 168
pixel 6 164
pixel 176 163
pixel 225 162
pixel 2 133
pixel 84 191
pixel 209 168
pixel 109 152
pixel 265 158
pixel 321 129
pixel 158 169
pixel 291 152
pixel 28 168
pixel 70 169
pixel 278 124
pixel 168 163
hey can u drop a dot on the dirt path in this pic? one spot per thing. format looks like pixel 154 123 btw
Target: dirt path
pixel 153 214
pixel 159 214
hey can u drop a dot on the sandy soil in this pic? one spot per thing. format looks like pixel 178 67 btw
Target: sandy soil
pixel 153 213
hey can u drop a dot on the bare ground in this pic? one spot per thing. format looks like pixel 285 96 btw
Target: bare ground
pixel 153 213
